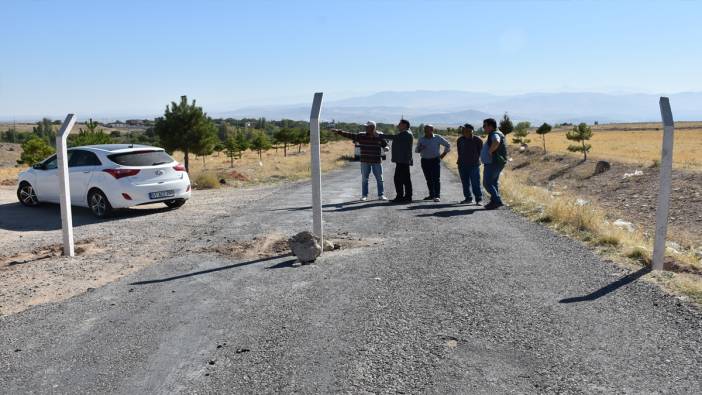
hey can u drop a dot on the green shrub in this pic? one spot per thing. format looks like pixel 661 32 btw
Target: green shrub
pixel 639 254
pixel 206 181
pixel 35 150
pixel 608 240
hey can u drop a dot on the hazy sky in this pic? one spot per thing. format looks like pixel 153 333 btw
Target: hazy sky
pixel 133 57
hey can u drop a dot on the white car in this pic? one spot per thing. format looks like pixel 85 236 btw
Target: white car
pixel 108 177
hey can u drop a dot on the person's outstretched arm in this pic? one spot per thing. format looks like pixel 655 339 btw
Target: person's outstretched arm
pixel 343 133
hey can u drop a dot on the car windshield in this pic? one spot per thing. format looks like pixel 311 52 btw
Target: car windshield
pixel 141 158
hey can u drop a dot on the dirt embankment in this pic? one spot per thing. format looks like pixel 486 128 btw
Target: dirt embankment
pixel 626 191
pixel 9 154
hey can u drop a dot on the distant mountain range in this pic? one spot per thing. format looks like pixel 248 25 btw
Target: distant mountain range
pixel 454 107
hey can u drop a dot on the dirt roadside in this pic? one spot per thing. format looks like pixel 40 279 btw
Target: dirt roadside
pixel 32 270
pixel 626 191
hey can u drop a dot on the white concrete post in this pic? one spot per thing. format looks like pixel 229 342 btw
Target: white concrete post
pixel 316 169
pixel 664 184
pixel 64 185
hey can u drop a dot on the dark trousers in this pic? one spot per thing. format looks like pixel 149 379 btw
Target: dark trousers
pixel 432 173
pixel 470 178
pixel 403 182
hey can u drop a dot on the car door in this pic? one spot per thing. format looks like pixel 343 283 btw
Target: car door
pixel 81 166
pixel 47 180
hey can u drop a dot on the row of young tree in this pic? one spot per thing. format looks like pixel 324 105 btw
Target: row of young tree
pixel 580 134
pixel 187 128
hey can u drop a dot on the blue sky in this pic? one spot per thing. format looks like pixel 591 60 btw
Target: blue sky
pixel 133 57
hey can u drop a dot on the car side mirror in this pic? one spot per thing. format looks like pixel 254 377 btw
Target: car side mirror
pixel 38 166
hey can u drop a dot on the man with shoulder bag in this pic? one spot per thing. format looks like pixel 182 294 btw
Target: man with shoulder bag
pixel 494 158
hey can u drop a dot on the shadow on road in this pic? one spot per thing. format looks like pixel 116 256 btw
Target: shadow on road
pixel 429 205
pixel 629 278
pixel 216 269
pixel 283 265
pixel 16 217
pixel 323 206
pixel 450 213
pixel 367 204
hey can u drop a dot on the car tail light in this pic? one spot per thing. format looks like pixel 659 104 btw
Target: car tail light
pixel 119 173
pixel 179 167
pixel 126 196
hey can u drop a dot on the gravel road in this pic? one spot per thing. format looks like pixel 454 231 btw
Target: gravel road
pixel 445 299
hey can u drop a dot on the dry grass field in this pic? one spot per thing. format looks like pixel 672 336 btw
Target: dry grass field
pixel 27 127
pixel 633 143
pixel 273 166
pixel 248 170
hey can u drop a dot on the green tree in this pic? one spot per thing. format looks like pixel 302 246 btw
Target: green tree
pixel 11 135
pixel 580 134
pixel 231 148
pixel 284 136
pixel 224 130
pixel 521 131
pixel 206 146
pixel 90 136
pixel 543 130
pixel 185 127
pixel 35 150
pixel 260 142
pixel 218 147
pixel 506 125
pixel 301 136
pixel 242 143
pixel 45 131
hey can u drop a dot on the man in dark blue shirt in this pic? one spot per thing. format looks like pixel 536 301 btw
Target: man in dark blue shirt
pixel 468 147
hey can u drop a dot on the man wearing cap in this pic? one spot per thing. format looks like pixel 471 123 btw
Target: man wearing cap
pixel 372 145
pixel 428 148
pixel 402 156
pixel 468 148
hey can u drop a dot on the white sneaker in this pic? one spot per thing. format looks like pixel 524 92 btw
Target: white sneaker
pixel 437 199
pixel 364 198
pixel 382 197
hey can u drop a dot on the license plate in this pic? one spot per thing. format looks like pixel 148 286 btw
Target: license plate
pixel 161 194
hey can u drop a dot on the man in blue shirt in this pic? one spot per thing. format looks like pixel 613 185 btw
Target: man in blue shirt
pixel 429 147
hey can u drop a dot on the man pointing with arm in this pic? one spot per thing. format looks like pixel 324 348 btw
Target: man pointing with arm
pixel 371 144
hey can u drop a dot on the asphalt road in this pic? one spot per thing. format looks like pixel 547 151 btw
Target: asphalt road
pixel 450 299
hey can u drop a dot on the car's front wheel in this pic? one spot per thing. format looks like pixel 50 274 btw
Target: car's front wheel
pixel 27 195
pixel 175 203
pixel 99 204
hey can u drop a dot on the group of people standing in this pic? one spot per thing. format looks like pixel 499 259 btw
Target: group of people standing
pixel 472 152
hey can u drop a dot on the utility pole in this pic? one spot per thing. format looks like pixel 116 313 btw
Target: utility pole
pixel 316 169
pixel 664 184
pixel 64 184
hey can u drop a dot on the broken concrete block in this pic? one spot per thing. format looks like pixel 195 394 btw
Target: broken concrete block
pixel 305 246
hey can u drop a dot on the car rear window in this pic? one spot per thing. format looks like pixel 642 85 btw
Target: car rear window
pixel 141 158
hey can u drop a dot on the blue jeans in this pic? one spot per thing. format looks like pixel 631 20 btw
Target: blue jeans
pixel 470 178
pixel 491 179
pixel 377 169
